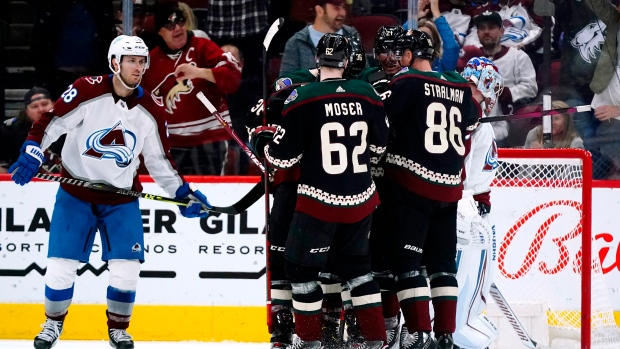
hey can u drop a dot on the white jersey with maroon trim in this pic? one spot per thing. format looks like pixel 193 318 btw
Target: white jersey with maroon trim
pixel 105 136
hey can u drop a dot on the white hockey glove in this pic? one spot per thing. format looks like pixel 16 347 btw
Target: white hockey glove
pixel 471 229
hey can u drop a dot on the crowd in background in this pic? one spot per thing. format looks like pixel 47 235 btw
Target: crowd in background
pixel 70 40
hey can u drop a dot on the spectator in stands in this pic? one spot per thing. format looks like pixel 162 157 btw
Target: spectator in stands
pixel 606 86
pixel 300 49
pixel 563 132
pixel 180 67
pixel 191 21
pixel 445 44
pixel 13 132
pixel 514 65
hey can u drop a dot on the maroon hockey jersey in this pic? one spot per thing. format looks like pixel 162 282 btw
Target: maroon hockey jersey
pixel 189 122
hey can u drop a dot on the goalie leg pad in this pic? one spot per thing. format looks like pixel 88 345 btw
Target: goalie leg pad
pixel 478 333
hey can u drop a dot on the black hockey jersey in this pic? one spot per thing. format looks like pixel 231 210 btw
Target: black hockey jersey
pixel 431 115
pixel 332 129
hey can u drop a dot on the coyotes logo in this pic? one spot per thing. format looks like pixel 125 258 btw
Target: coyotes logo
pixel 169 92
pixel 589 40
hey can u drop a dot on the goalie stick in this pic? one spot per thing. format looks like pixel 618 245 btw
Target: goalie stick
pixel 230 131
pixel 238 207
pixel 536 114
pixel 513 320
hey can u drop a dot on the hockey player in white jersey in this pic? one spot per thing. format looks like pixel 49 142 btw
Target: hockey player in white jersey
pixel 476 254
pixel 109 121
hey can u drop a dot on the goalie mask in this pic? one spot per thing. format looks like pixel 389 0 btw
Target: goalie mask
pixel 333 51
pixel 357 60
pixel 420 44
pixel 483 73
pixel 125 45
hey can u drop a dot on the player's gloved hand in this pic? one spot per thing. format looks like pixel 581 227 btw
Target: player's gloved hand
pixel 198 205
pixel 28 163
pixel 483 209
pixel 260 137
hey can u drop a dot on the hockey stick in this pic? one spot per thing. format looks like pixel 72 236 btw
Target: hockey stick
pixel 234 209
pixel 273 30
pixel 513 320
pixel 230 131
pixel 536 114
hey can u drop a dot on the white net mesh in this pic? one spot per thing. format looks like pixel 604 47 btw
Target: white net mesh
pixel 538 210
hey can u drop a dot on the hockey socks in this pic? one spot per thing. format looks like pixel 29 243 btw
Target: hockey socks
pixel 57 302
pixel 414 297
pixel 444 292
pixel 307 302
pixel 366 301
pixel 120 307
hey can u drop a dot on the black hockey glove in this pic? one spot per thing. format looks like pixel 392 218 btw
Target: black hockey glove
pixel 483 209
pixel 260 137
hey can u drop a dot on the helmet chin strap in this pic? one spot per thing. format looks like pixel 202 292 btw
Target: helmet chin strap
pixel 120 78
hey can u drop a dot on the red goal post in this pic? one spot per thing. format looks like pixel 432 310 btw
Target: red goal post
pixel 542 203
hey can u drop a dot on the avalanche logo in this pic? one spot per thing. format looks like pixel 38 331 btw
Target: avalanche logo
pixel 490 161
pixel 112 143
pixel 174 90
pixel 283 83
pixel 589 39
pixel 291 97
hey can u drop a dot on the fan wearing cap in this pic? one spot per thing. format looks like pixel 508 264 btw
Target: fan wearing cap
pixel 181 66
pixel 516 67
pixel 300 49
pixel 13 132
pixel 111 125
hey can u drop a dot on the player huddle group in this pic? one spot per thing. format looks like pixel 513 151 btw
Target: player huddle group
pixel 373 167
pixel 381 188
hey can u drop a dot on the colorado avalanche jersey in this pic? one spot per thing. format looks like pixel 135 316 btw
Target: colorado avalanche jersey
pixel 430 114
pixel 105 136
pixel 481 164
pixel 332 129
pixel 189 122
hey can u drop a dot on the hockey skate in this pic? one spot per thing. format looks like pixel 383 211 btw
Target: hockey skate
pixel 416 340
pixel 445 341
pixel 331 333
pixel 368 345
pixel 393 335
pixel 282 335
pixel 354 335
pixel 120 339
pixel 48 337
pixel 300 344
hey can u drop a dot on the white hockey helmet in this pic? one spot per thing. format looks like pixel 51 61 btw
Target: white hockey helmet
pixel 124 45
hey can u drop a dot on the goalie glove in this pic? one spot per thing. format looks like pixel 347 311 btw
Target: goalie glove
pixel 198 205
pixel 260 137
pixel 471 229
pixel 28 163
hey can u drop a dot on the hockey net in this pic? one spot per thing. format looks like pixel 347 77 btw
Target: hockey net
pixel 542 208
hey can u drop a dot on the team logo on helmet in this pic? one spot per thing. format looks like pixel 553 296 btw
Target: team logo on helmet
pixel 293 96
pixel 115 143
pixel 283 83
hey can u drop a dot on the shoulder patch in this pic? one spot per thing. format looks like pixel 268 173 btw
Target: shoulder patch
pixel 283 83
pixel 293 96
pixel 94 79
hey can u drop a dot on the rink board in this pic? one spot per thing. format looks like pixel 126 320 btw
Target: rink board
pixel 202 280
